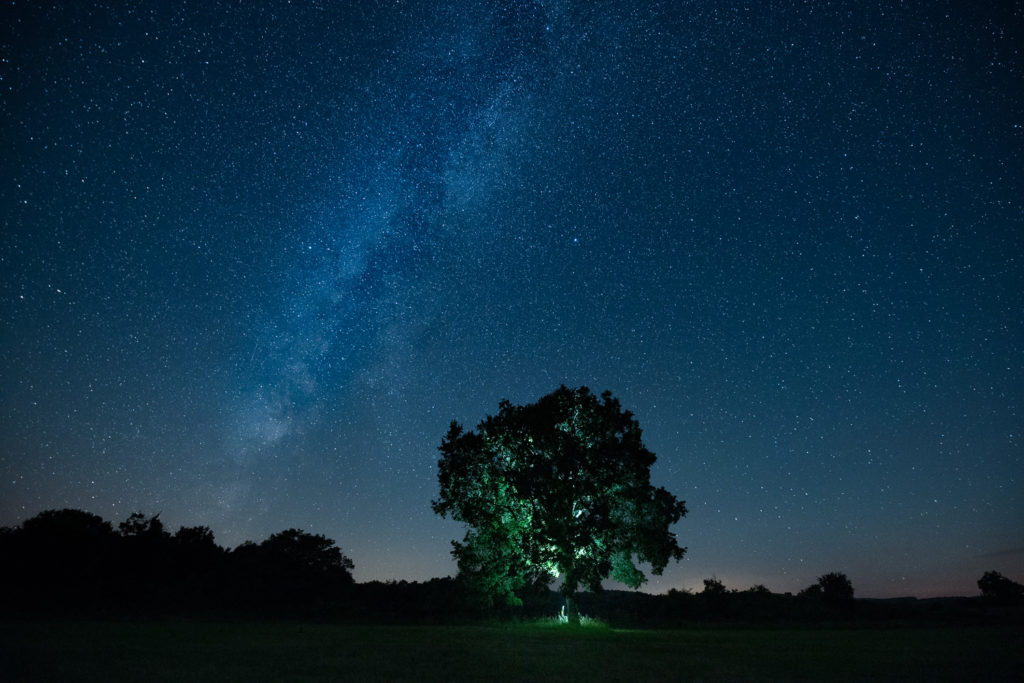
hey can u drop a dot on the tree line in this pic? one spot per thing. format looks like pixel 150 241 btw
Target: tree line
pixel 71 560
pixel 74 562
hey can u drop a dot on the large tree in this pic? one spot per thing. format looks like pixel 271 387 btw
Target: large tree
pixel 556 488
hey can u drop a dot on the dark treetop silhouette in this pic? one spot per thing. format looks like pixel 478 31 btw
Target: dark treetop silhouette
pixel 68 559
pixel 557 488
pixel 995 586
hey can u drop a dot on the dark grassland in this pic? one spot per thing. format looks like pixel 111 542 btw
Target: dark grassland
pixel 196 650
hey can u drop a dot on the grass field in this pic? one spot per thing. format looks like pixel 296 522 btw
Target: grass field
pixel 291 651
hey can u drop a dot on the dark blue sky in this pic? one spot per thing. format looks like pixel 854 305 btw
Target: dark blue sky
pixel 256 256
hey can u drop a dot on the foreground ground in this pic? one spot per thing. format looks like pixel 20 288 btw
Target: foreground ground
pixel 292 651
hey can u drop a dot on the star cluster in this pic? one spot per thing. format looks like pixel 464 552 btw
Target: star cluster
pixel 255 257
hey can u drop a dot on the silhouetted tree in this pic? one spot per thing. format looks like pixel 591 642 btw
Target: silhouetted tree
pixel 995 585
pixel 308 555
pixel 146 560
pixel 292 570
pixel 60 558
pixel 813 592
pixel 715 601
pixel 138 525
pixel 560 487
pixel 836 588
pixel 831 596
pixel 199 565
pixel 249 578
pixel 193 537
pixel 69 526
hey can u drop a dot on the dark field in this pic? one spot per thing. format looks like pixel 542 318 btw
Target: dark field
pixel 293 651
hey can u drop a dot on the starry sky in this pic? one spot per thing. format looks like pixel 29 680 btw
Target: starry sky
pixel 256 256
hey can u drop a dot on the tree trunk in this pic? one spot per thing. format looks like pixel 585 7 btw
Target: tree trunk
pixel 571 612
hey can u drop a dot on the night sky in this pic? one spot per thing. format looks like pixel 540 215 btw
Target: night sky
pixel 256 256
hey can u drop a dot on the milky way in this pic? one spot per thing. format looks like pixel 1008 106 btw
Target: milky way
pixel 254 259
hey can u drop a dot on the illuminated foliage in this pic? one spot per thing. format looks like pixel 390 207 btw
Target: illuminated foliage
pixel 557 488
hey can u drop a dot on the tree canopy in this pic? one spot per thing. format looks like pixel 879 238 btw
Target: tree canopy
pixel 995 585
pixel 836 587
pixel 557 488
